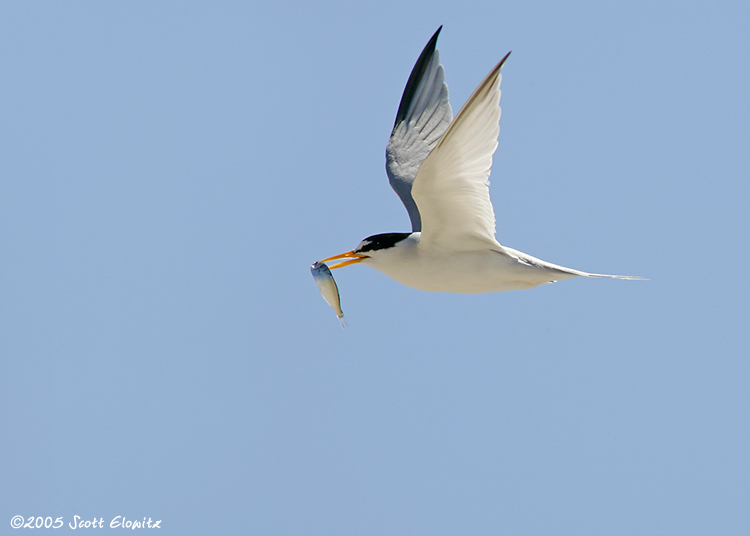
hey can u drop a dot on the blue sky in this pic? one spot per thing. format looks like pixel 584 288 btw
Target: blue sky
pixel 168 172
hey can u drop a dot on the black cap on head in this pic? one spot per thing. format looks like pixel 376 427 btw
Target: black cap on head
pixel 380 241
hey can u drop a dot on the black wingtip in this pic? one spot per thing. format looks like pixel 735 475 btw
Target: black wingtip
pixel 416 75
pixel 502 61
pixel 499 66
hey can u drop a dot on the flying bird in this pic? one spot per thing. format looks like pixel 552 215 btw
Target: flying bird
pixel 440 167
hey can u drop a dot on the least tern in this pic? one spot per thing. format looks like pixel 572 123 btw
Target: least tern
pixel 440 168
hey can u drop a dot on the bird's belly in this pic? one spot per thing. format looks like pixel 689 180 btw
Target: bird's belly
pixel 465 272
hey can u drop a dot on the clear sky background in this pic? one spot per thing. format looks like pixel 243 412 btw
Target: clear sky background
pixel 169 170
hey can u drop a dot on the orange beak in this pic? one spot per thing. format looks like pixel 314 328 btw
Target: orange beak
pixel 353 259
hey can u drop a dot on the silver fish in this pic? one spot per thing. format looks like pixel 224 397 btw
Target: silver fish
pixel 327 285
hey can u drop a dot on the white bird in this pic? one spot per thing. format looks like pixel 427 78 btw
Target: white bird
pixel 440 167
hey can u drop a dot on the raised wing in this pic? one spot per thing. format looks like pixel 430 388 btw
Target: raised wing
pixel 451 188
pixel 423 116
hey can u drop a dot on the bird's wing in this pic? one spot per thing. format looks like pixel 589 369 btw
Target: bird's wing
pixel 423 116
pixel 451 188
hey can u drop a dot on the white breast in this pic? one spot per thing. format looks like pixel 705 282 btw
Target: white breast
pixel 465 272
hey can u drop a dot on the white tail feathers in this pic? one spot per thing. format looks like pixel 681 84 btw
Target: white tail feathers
pixel 628 277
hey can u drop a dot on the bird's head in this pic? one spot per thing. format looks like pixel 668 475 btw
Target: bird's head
pixel 369 247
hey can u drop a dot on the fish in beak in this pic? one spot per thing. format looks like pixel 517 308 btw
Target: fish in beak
pixel 328 288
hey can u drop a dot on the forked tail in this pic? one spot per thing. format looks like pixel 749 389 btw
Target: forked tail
pixel 628 277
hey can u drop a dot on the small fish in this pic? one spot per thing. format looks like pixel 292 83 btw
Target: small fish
pixel 327 285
